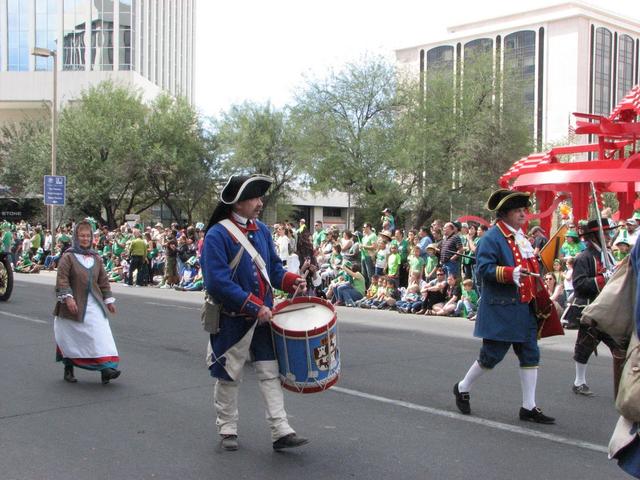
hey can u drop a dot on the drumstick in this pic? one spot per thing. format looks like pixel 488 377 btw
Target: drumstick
pixel 289 310
pixel 531 274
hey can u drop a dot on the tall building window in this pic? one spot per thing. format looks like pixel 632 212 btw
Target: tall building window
pixel 440 60
pixel 18 35
pixel 520 60
pixel 625 65
pixel 477 48
pixel 127 34
pixel 102 35
pixel 602 72
pixel 74 29
pixel 46 29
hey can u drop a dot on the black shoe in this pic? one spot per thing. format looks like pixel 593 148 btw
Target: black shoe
pixel 68 374
pixel 109 374
pixel 229 442
pixel 289 441
pixel 462 400
pixel 535 415
pixel 582 390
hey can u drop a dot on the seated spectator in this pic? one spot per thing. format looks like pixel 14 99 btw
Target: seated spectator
pixel 195 285
pixel 389 297
pixel 468 304
pixel 189 272
pixel 352 291
pixel 375 289
pixel 433 293
pixel 453 293
pixel 116 274
pixel 410 300
pixel 25 264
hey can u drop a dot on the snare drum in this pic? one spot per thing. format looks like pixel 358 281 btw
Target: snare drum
pixel 305 339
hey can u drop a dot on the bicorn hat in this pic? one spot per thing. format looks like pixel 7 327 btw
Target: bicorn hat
pixel 504 200
pixel 244 187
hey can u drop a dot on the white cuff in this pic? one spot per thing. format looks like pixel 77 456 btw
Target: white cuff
pixel 109 300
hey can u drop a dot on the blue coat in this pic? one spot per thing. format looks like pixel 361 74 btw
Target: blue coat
pixel 241 292
pixel 504 313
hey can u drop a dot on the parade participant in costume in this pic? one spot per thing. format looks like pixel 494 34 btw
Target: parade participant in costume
pixel 81 327
pixel 246 298
pixel 505 315
pixel 589 276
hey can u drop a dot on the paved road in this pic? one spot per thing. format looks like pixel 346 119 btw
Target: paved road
pixel 392 414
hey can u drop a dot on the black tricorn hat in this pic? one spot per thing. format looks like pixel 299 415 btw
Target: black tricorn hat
pixel 244 187
pixel 592 226
pixel 504 200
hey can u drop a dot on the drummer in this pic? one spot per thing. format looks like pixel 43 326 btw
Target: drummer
pixel 246 299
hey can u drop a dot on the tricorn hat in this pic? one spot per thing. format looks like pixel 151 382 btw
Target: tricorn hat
pixel 244 187
pixel 504 200
pixel 593 226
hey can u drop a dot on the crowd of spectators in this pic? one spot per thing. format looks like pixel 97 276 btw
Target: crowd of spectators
pixel 430 270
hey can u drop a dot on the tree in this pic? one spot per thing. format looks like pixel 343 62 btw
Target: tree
pixel 100 150
pixel 25 156
pixel 178 155
pixel 258 139
pixel 344 126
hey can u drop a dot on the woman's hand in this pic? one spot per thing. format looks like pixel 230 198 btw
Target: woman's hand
pixel 71 305
pixel 111 307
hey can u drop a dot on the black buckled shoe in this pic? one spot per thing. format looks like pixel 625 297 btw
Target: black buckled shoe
pixel 68 374
pixel 109 374
pixel 462 400
pixel 535 415
pixel 289 441
pixel 229 442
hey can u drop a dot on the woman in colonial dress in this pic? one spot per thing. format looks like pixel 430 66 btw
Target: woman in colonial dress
pixel 82 332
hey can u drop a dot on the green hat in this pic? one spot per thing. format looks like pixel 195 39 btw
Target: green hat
pixel 192 261
pixel 572 234
pixel 347 263
pixel 623 237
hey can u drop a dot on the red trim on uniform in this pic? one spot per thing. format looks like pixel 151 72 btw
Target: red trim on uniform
pixel 600 281
pixel 507 274
pixel 504 229
pixel 253 299
pixel 287 282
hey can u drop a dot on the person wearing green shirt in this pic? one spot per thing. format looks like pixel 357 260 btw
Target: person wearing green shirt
pixel 416 262
pixel 36 240
pixel 431 262
pixel 393 262
pixel 468 304
pixel 319 235
pixel 349 293
pixel 7 239
pixel 571 246
pixel 137 258
pixel 403 250
pixel 368 248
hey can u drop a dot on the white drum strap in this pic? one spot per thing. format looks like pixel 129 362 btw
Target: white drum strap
pixel 251 250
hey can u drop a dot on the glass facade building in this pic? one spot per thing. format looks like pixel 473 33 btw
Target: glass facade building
pixel 153 38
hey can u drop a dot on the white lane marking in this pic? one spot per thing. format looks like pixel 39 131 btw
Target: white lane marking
pixel 15 315
pixel 172 305
pixel 479 421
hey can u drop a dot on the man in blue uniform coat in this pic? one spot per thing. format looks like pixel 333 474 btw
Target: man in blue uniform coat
pixel 233 280
pixel 505 313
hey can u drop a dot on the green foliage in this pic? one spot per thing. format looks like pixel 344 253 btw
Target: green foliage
pixel 100 150
pixel 258 139
pixel 344 127
pixel 177 157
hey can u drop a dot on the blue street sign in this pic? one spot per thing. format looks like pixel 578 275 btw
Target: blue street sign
pixel 54 189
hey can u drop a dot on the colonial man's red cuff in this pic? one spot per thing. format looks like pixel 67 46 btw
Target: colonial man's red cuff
pixel 288 282
pixel 600 281
pixel 251 305
pixel 504 274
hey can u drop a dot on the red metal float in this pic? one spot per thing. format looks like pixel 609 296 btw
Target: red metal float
pixel 612 163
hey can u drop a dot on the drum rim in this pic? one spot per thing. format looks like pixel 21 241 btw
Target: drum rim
pixel 312 388
pixel 303 333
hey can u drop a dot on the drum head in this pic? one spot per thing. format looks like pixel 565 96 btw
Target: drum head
pixel 303 317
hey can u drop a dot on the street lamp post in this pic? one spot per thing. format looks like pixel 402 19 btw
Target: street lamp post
pixel 45 52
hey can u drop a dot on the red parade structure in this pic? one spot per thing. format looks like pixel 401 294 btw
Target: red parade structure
pixel 566 172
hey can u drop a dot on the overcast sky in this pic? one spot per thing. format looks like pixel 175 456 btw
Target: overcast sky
pixel 259 50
